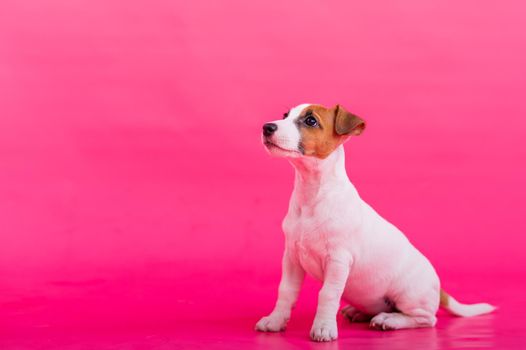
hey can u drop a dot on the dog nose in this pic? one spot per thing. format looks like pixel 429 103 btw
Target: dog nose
pixel 269 128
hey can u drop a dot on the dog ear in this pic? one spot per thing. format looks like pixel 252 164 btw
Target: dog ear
pixel 346 123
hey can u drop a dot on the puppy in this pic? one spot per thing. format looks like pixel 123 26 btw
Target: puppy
pixel 337 238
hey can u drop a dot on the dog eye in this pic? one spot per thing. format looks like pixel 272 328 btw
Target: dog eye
pixel 285 115
pixel 311 121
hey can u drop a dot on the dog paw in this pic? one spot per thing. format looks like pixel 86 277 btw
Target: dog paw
pixel 383 321
pixel 324 331
pixel 274 322
pixel 354 315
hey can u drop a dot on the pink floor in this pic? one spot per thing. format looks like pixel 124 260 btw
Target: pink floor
pixel 138 209
pixel 150 312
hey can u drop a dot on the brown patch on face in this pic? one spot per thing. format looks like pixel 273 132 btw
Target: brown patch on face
pixel 334 126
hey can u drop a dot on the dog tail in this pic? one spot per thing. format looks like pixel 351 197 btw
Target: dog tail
pixel 464 310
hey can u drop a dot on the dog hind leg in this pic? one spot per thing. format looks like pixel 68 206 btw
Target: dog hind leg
pixel 355 315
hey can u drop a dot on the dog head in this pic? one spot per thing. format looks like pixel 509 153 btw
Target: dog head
pixel 310 130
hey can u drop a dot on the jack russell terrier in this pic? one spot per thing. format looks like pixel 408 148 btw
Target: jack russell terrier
pixel 337 238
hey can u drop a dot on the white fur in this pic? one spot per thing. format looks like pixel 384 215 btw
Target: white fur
pixel 333 235
pixel 287 136
pixel 468 310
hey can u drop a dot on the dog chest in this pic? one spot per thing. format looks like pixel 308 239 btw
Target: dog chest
pixel 307 240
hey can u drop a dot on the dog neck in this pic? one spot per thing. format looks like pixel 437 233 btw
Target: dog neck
pixel 315 176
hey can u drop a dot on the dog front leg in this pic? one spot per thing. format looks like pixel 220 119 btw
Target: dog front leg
pixel 336 273
pixel 289 288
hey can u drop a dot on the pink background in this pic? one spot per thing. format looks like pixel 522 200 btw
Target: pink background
pixel 139 209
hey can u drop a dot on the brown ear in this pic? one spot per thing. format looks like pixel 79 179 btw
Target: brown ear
pixel 346 123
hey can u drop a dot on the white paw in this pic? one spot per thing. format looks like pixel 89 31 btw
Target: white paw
pixel 324 330
pixel 354 315
pixel 384 321
pixel 274 322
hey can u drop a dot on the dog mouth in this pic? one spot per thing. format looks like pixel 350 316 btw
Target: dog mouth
pixel 271 145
